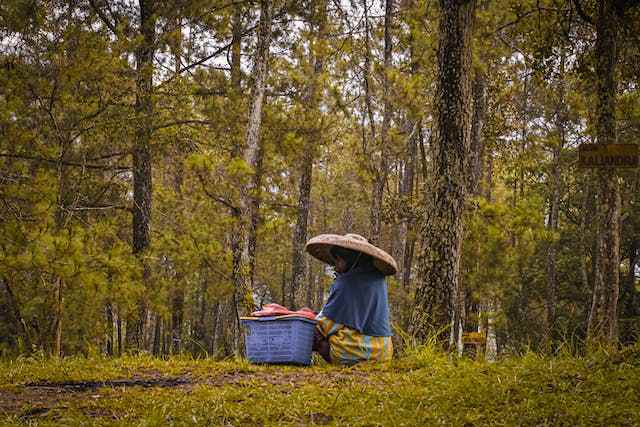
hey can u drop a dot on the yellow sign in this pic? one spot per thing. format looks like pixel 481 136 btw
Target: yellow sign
pixel 474 337
pixel 609 155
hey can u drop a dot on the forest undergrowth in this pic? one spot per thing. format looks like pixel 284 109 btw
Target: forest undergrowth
pixel 423 387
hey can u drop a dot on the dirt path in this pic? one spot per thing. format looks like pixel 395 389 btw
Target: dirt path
pixel 37 399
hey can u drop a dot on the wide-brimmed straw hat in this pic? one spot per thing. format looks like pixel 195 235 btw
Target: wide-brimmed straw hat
pixel 320 246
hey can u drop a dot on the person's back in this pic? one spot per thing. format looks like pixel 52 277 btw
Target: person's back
pixel 354 324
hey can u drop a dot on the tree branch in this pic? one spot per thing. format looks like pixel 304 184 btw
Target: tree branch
pixel 582 13
pixel 195 64
pixel 98 208
pixel 65 163
pixel 217 198
pixel 182 122
pixel 102 16
pixel 109 156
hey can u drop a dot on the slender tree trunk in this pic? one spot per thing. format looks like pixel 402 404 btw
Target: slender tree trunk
pixel 230 329
pixel 407 236
pixel 312 139
pixel 552 225
pixel 252 241
pixel 119 335
pixel 311 284
pixel 366 145
pixel 475 167
pixel 596 271
pixel 157 335
pixel 142 182
pixel 584 219
pixel 201 325
pixel 381 166
pixel 491 346
pixel 252 155
pixel 215 327
pixel 439 259
pixel 60 223
pixel 477 148
pixel 57 347
pixel 177 308
pixel 554 209
pixel 603 325
pixel 407 233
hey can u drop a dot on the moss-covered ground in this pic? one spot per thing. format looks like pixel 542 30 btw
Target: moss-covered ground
pixel 424 388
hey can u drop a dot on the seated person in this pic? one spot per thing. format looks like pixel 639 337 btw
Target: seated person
pixel 353 325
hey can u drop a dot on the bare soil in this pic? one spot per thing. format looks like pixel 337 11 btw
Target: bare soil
pixel 36 399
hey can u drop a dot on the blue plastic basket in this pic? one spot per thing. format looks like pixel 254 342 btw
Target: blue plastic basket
pixel 271 340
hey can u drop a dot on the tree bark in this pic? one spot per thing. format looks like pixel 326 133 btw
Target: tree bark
pixel 60 223
pixel 491 346
pixel 555 189
pixel 230 329
pixel 177 308
pixel 476 149
pixel 57 347
pixel 407 236
pixel 603 325
pixel 439 258
pixel 312 137
pixel 142 181
pixel 380 168
pixel 252 155
pixel 475 167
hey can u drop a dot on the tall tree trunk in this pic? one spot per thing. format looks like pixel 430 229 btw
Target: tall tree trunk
pixel 475 168
pixel 555 188
pixel 60 223
pixel 439 258
pixel 142 183
pixel 252 155
pixel 119 335
pixel 407 233
pixel 587 205
pixel 200 335
pixel 380 169
pixel 312 139
pixel 156 344
pixel 477 148
pixel 491 346
pixel 177 308
pixel 57 347
pixel 229 320
pixel 368 107
pixel 407 236
pixel 603 325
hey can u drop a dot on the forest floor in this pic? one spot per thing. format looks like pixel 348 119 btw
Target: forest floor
pixel 423 388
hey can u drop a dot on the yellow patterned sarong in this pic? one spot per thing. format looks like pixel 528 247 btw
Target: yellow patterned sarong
pixel 348 346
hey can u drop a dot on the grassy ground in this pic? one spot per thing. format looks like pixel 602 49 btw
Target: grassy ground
pixel 424 388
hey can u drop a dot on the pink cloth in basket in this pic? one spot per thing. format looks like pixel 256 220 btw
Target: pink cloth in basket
pixel 278 310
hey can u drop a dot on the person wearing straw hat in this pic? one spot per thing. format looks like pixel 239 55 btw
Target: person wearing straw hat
pixel 353 325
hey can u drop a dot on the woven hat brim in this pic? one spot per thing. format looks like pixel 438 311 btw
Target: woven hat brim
pixel 319 247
